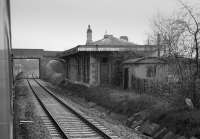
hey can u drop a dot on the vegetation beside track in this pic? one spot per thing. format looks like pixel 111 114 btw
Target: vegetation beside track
pixel 170 112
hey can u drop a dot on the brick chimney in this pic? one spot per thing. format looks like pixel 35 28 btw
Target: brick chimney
pixel 89 35
pixel 124 38
pixel 108 36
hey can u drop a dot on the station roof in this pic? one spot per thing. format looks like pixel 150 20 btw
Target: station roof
pixel 109 44
pixel 108 48
pixel 145 60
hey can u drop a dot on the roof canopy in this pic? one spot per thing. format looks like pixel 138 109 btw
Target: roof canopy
pixel 108 48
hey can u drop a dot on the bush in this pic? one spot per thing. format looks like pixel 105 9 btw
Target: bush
pixel 183 122
pixel 19 76
pixel 178 117
pixel 120 104
pixel 139 103
pixel 57 78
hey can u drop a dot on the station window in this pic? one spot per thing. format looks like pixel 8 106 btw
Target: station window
pixel 104 60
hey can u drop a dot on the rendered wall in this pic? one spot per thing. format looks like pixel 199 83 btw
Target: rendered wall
pixel 140 71
pixel 93 71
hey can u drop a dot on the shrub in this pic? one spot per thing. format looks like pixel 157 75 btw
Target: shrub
pixel 139 103
pixel 122 104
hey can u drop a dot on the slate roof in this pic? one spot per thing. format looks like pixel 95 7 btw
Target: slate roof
pixel 111 40
pixel 109 43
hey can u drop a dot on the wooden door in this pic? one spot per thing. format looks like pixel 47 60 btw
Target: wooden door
pixel 104 73
pixel 126 78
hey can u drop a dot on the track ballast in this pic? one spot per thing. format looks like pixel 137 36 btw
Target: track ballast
pixel 71 122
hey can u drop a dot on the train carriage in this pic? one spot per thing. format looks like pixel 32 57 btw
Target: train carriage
pixel 5 71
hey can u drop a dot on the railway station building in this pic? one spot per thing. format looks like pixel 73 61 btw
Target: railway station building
pixel 100 62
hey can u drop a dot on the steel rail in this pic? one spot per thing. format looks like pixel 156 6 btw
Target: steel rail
pixel 63 134
pixel 99 131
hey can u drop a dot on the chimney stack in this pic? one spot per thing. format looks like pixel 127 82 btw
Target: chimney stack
pixel 108 36
pixel 124 38
pixel 89 35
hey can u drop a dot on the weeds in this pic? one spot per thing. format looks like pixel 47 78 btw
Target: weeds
pixel 25 110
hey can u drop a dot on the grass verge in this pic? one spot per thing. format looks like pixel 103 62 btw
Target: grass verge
pixel 25 111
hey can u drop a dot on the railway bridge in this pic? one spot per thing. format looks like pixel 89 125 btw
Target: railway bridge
pixel 31 60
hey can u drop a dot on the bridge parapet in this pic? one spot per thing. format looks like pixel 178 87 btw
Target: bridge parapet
pixel 43 57
pixel 28 53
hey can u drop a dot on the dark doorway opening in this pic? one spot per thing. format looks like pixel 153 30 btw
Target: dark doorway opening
pixel 126 78
pixel 104 71
pixel 104 74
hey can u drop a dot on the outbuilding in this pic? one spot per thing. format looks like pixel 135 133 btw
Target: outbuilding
pixel 149 68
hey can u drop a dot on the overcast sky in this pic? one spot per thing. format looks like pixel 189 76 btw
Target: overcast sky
pixel 62 24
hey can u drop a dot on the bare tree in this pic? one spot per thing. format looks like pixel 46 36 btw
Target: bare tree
pixel 191 21
pixel 181 35
pixel 170 32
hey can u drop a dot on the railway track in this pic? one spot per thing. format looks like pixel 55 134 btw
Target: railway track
pixel 70 122
pixel 47 121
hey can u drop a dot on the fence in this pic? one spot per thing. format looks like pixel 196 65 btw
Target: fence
pixel 160 87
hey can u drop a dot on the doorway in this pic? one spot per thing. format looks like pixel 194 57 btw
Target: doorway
pixel 104 71
pixel 126 78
